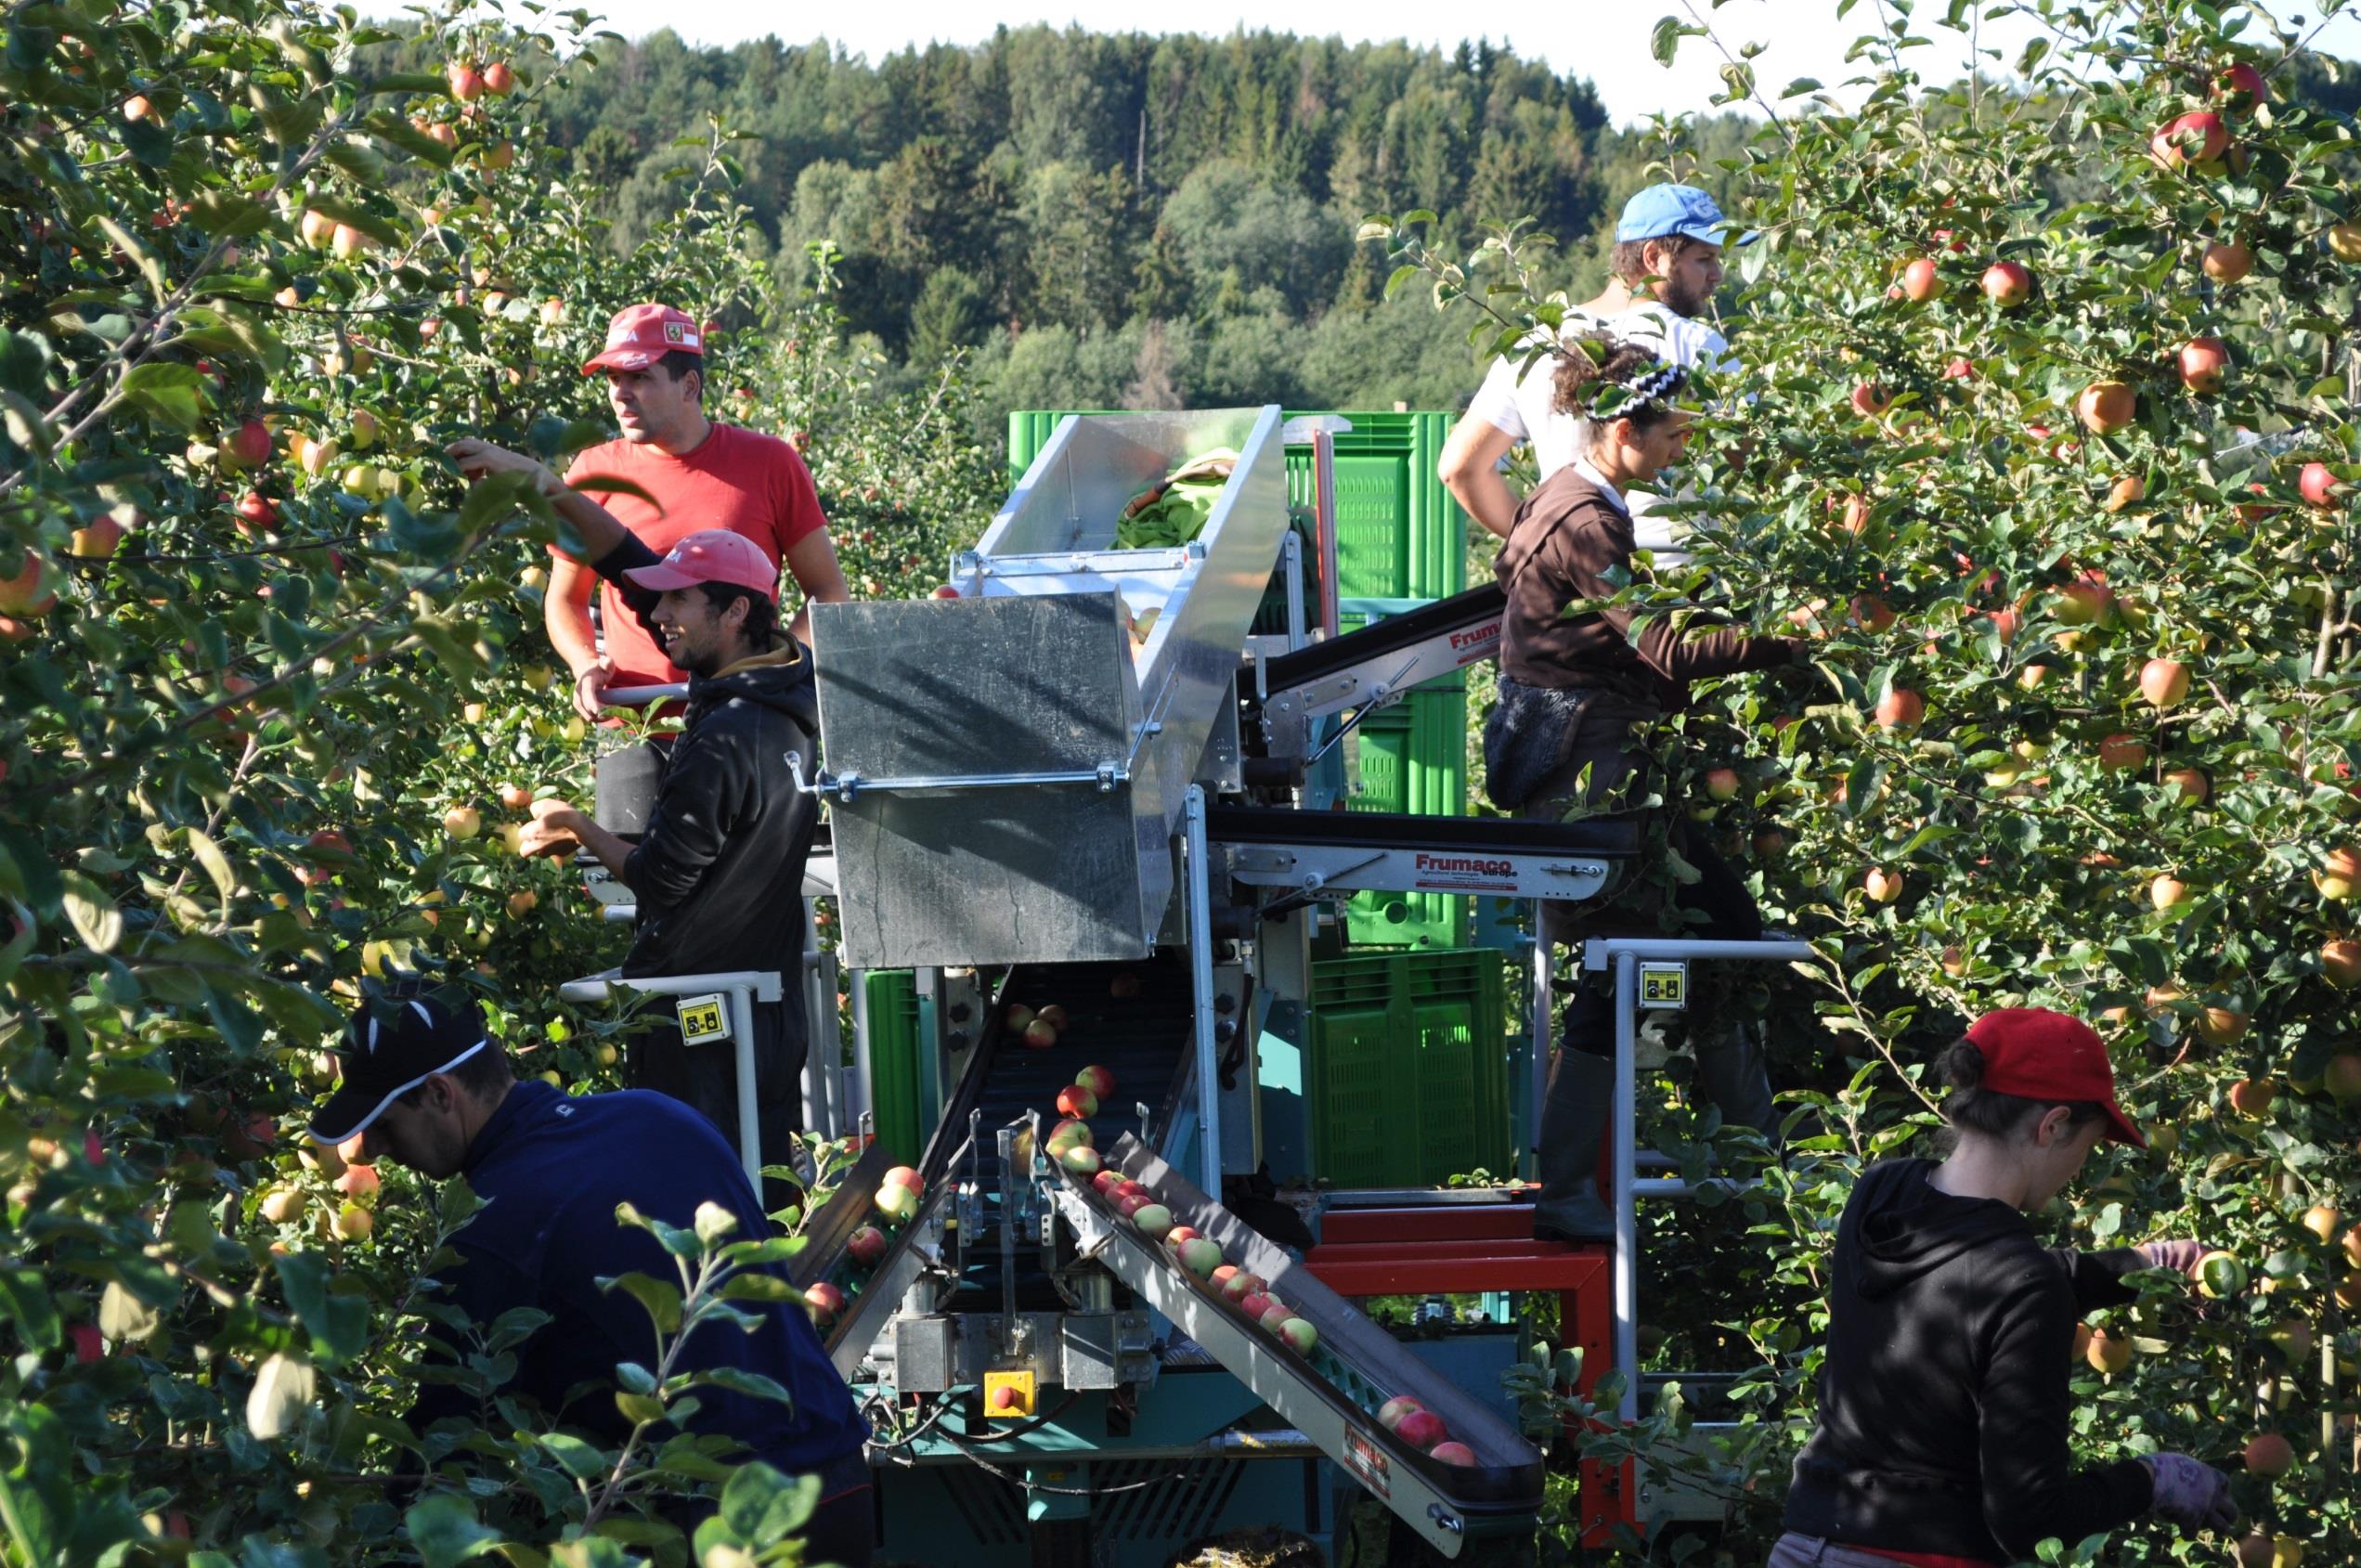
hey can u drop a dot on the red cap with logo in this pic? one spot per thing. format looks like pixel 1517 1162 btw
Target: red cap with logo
pixel 2038 1054
pixel 641 334
pixel 712 555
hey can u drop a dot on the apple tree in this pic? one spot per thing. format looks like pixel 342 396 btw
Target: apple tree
pixel 276 696
pixel 2045 433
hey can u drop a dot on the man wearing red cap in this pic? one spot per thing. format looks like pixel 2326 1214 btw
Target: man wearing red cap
pixel 717 870
pixel 697 474
pixel 1944 1405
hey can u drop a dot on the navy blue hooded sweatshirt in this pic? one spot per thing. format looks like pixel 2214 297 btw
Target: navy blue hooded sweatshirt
pixel 1944 1400
pixel 551 1169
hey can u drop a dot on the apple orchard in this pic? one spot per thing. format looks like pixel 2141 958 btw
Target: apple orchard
pixel 2045 436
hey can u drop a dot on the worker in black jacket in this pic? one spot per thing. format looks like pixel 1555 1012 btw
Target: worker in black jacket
pixel 421 1084
pixel 1944 1403
pixel 718 870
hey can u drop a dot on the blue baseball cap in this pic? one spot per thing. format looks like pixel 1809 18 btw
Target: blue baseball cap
pixel 1663 210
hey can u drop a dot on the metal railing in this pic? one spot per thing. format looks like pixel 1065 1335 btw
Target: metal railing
pixel 744 988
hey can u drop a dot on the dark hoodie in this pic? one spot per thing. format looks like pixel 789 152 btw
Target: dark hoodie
pixel 1571 542
pixel 718 870
pixel 1943 1400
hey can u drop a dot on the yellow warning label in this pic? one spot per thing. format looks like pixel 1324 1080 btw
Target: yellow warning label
pixel 703 1020
pixel 1664 985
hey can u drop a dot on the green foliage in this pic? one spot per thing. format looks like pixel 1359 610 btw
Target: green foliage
pixel 263 705
pixel 1919 487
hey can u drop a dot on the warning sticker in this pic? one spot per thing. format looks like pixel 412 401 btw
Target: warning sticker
pixel 703 1020
pixel 1664 985
pixel 1365 1463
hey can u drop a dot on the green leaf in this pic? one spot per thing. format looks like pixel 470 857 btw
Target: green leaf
pixel 446 1532
pixel 285 1389
pixel 739 1381
pixel 662 1300
pixel 122 1316
pixel 94 915
pixel 1663 39
pixel 761 1508
pixel 338 1324
pixel 25 1296
pixel 580 1459
pixel 639 1407
pixel 176 395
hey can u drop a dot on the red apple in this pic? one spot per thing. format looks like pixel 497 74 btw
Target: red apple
pixel 1452 1453
pixel 825 1301
pixel 1390 1414
pixel 2120 753
pixel 1054 1016
pixel 2129 490
pixel 1106 1180
pixel 1129 1204
pixel 1871 398
pixel 2340 873
pixel 256 513
pixel 1961 368
pixel 2341 1077
pixel 2192 783
pixel 2319 484
pixel 467 83
pixel 945 591
pixel 498 80
pixel 1882 886
pixel 865 1246
pixel 1421 1429
pixel 88 1344
pixel 1250 1305
pixel 1721 783
pixel 1240 1285
pixel 2164 682
pixel 1900 709
pixel 1200 1256
pixel 1179 1234
pixel 1039 1035
pixel 249 444
pixel 1871 612
pixel 2269 1454
pixel 903 1175
pixel 2241 87
pixel 2006 284
pixel 2227 261
pixel 2106 407
pixel 1081 1158
pixel 2204 363
pixel 2341 966
pixel 1075 1100
pixel 2200 137
pixel 1921 282
pixel 1098 1080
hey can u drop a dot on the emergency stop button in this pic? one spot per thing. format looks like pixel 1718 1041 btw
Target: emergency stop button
pixel 1009 1395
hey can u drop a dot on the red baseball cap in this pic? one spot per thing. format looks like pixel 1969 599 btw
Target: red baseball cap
pixel 2038 1054
pixel 641 334
pixel 712 555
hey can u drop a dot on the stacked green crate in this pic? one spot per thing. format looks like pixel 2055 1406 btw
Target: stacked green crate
pixel 894 1090
pixel 1405 1074
pixel 1400 536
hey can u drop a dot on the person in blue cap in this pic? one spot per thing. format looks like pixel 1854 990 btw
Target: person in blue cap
pixel 1665 267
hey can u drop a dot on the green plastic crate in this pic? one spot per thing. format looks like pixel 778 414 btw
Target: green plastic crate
pixel 1412 759
pixel 1406 1070
pixel 895 1094
pixel 1399 535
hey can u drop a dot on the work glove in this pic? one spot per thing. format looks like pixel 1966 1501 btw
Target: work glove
pixel 2193 1495
pixel 2178 1256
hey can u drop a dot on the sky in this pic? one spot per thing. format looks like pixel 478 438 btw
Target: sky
pixel 1604 40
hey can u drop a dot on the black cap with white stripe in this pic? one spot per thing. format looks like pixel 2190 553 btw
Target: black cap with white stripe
pixel 397 1044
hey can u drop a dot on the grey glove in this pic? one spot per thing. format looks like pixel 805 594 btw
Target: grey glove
pixel 2178 1256
pixel 2193 1495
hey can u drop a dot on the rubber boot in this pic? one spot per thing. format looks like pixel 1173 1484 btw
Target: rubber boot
pixel 1734 1074
pixel 1574 1128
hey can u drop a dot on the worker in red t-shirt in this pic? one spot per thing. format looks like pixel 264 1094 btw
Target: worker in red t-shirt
pixel 701 476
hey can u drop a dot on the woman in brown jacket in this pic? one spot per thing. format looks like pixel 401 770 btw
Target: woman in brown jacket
pixel 1577 695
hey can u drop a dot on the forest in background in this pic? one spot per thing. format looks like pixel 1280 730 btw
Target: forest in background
pixel 1126 220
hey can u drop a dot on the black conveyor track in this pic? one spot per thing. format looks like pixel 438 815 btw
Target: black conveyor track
pixel 1606 838
pixel 1307 664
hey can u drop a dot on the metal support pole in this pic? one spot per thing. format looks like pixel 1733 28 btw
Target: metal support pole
pixel 864 1117
pixel 1536 1066
pixel 1324 525
pixel 1199 893
pixel 814 1088
pixel 1627 1225
pixel 1290 560
pixel 749 1114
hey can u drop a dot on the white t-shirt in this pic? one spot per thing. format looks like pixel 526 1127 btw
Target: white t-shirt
pixel 1523 407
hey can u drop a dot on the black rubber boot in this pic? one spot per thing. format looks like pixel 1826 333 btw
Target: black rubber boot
pixel 1734 1073
pixel 1574 1128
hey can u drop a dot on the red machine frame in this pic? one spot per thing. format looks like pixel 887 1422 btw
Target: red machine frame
pixel 1467 1248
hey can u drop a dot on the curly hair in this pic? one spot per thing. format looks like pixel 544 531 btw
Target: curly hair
pixel 1585 371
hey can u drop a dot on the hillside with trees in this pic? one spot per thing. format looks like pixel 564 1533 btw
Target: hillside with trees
pixel 1138 220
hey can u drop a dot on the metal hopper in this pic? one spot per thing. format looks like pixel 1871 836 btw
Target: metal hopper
pixel 1009 768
